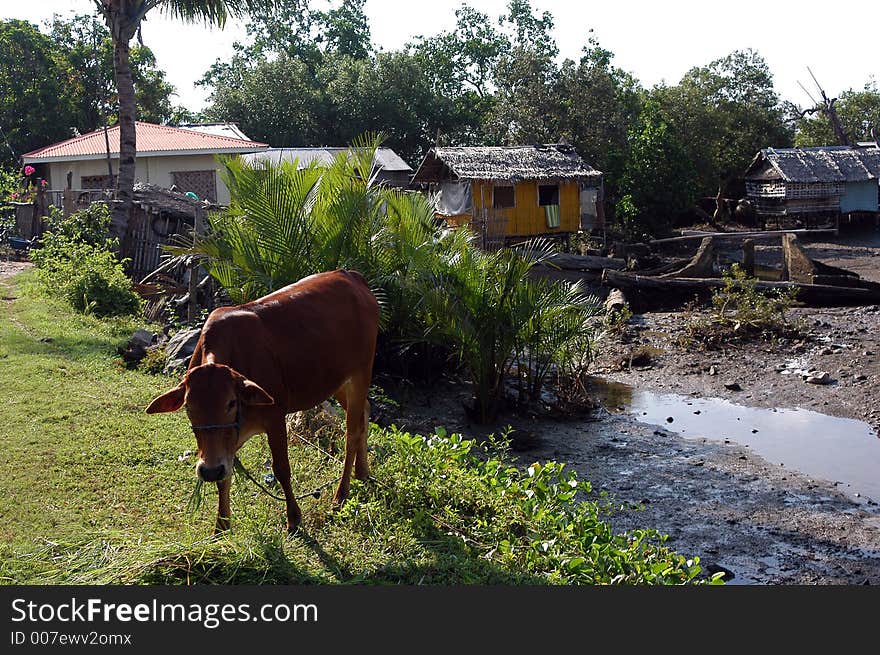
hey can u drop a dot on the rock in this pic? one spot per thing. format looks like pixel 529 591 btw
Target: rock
pixel 142 338
pixel 180 348
pixel 713 370
pixel 818 377
pixel 726 573
pixel 861 377
pixel 669 419
pixel 826 351
pixel 732 386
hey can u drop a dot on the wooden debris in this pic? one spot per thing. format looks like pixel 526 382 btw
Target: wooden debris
pixel 702 264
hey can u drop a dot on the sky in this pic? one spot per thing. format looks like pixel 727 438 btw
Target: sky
pixel 655 41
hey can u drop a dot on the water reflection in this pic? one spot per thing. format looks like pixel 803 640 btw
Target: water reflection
pixel 835 449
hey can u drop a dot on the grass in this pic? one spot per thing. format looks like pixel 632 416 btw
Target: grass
pixel 95 491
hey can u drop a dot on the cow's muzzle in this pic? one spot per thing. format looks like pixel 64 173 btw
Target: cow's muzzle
pixel 212 474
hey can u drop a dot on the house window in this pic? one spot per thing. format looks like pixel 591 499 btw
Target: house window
pixel 548 194
pixel 503 197
pixel 202 183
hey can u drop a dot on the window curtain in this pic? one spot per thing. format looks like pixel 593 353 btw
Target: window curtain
pixel 552 214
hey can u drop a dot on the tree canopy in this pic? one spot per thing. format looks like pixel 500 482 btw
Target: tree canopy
pixel 59 82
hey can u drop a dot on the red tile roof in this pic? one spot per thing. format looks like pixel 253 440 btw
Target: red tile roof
pixel 152 140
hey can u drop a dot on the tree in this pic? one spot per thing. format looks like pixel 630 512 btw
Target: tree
pixel 460 69
pixel 123 18
pixel 729 110
pixel 278 101
pixel 658 181
pixel 859 112
pixel 85 48
pixel 527 108
pixel 346 30
pixel 600 105
pixel 35 107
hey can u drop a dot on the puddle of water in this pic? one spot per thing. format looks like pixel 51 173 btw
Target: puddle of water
pixel 821 446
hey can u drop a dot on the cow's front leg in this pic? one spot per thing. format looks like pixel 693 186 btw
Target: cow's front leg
pixel 281 468
pixel 224 511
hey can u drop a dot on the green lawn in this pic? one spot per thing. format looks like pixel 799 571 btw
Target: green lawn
pixel 96 491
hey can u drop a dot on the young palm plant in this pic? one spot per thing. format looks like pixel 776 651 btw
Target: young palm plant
pixel 558 331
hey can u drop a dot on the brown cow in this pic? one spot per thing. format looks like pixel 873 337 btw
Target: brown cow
pixel 285 352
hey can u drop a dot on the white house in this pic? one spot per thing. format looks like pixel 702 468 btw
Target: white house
pixel 166 156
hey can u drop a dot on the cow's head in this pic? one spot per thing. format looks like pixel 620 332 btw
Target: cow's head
pixel 214 395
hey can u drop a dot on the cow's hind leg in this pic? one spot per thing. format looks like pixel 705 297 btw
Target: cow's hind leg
pixel 277 435
pixel 356 417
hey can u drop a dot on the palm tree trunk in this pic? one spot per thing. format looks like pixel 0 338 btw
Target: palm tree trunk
pixel 123 31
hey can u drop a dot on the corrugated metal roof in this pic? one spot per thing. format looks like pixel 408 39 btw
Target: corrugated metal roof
pixel 511 163
pixel 152 140
pixel 822 164
pixel 386 158
pixel 219 129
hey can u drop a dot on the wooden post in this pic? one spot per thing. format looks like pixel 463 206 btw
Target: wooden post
pixel 749 257
pixel 192 310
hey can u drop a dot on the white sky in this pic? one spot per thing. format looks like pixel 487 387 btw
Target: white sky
pixel 654 40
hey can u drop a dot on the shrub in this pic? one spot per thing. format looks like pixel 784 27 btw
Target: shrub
pixel 90 225
pixel 741 311
pixel 76 262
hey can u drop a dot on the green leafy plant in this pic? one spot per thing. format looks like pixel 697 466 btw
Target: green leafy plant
pixel 558 331
pixel 741 311
pixel 76 261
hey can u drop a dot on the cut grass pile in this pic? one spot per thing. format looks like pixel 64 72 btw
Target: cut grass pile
pixel 95 491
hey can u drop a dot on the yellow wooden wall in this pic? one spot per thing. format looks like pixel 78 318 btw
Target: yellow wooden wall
pixel 527 217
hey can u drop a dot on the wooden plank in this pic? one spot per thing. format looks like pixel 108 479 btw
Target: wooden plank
pixel 573 262
pixel 769 235
pixel 670 291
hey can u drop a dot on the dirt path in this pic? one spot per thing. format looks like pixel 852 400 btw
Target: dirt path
pixel 8 268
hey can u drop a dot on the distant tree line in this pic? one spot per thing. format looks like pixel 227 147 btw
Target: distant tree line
pixel 305 77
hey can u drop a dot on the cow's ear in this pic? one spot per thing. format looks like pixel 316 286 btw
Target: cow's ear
pixel 253 394
pixel 170 401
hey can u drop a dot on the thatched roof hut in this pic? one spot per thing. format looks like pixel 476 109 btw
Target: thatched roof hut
pixel 514 191
pixel 822 164
pixel 823 181
pixel 506 163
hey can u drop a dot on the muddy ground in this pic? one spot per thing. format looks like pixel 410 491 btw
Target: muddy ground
pixel 761 522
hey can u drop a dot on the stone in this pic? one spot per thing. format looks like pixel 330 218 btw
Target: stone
pixel 142 338
pixel 818 377
pixel 713 370
pixel 732 386
pixel 180 348
pixel 726 573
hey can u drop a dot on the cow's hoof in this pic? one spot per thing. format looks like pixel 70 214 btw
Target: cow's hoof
pixel 293 525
